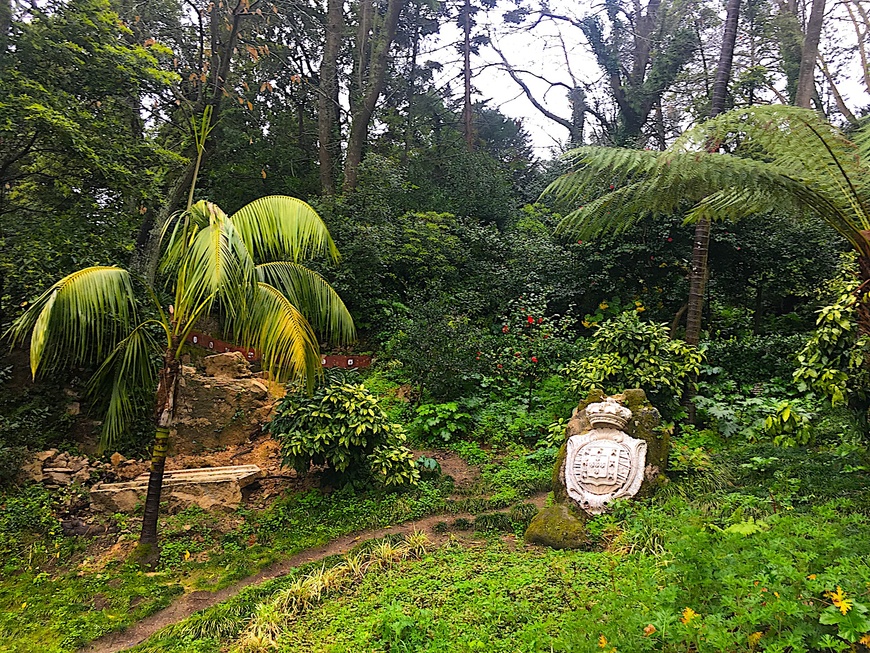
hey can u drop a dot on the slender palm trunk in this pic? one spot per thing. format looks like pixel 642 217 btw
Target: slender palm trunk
pixel 698 279
pixel 167 392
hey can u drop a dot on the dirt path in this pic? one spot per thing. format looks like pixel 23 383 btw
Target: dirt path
pixel 196 601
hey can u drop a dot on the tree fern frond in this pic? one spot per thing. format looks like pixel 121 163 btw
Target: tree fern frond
pixel 313 296
pixel 79 319
pixel 281 228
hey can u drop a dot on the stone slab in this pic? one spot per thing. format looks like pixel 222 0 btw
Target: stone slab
pixel 208 487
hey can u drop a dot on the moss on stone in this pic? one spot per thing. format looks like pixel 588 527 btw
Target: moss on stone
pixel 558 527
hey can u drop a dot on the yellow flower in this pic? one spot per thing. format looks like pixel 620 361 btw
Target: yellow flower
pixel 649 630
pixel 602 642
pixel 640 309
pixel 754 638
pixel 603 306
pixel 811 577
pixel 865 640
pixel 839 599
pixel 587 324
pixel 688 615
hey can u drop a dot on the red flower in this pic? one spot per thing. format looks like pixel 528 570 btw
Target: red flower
pixel 611 186
pixel 531 319
pixel 504 329
pixel 546 336
pixel 540 319
pixel 518 354
pixel 499 366
pixel 534 359
pixel 670 240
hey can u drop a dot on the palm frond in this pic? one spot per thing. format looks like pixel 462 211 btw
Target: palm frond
pixel 216 266
pixel 178 233
pixel 313 296
pixel 281 228
pixel 287 344
pixel 79 319
pixel 124 379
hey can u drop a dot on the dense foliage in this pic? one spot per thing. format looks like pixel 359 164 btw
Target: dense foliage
pixel 342 426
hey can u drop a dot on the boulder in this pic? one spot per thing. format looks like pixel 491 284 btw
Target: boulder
pixel 559 527
pixel 231 365
pixel 209 488
pixel 215 412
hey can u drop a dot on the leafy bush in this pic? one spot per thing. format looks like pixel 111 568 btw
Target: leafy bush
pixel 530 344
pixel 833 362
pixel 341 425
pixel 628 353
pixel 437 347
pixel 441 422
pixel 753 359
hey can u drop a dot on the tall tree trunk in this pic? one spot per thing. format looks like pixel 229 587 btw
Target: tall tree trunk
pixel 809 54
pixel 698 277
pixel 373 86
pixel 326 113
pixel 790 45
pixel 412 85
pixel 167 392
pixel 147 255
pixel 467 118
pixel 5 25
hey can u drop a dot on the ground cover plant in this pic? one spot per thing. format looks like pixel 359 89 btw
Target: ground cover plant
pixel 763 562
pixel 716 253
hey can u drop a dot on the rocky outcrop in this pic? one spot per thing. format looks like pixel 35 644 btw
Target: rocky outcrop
pixel 558 527
pixel 56 469
pixel 219 410
pixel 231 365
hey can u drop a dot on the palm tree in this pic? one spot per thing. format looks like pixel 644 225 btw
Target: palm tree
pixel 770 158
pixel 247 268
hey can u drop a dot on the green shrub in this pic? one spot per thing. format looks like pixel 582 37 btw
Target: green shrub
pixel 751 359
pixel 628 353
pixel 833 362
pixel 441 422
pixel 341 425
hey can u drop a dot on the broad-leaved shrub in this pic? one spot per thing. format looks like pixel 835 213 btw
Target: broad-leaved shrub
pixel 342 426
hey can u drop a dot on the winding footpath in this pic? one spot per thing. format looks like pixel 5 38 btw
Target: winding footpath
pixel 187 604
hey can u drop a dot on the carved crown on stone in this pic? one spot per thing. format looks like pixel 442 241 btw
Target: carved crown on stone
pixel 608 414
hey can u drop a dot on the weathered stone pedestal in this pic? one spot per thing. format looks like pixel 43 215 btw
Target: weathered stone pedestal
pixel 614 450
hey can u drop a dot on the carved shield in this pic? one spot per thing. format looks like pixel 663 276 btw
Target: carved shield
pixel 602 465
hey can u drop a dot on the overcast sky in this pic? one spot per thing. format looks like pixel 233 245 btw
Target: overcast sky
pixel 541 52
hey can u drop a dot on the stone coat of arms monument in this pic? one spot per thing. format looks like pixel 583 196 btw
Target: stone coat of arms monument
pixel 614 450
